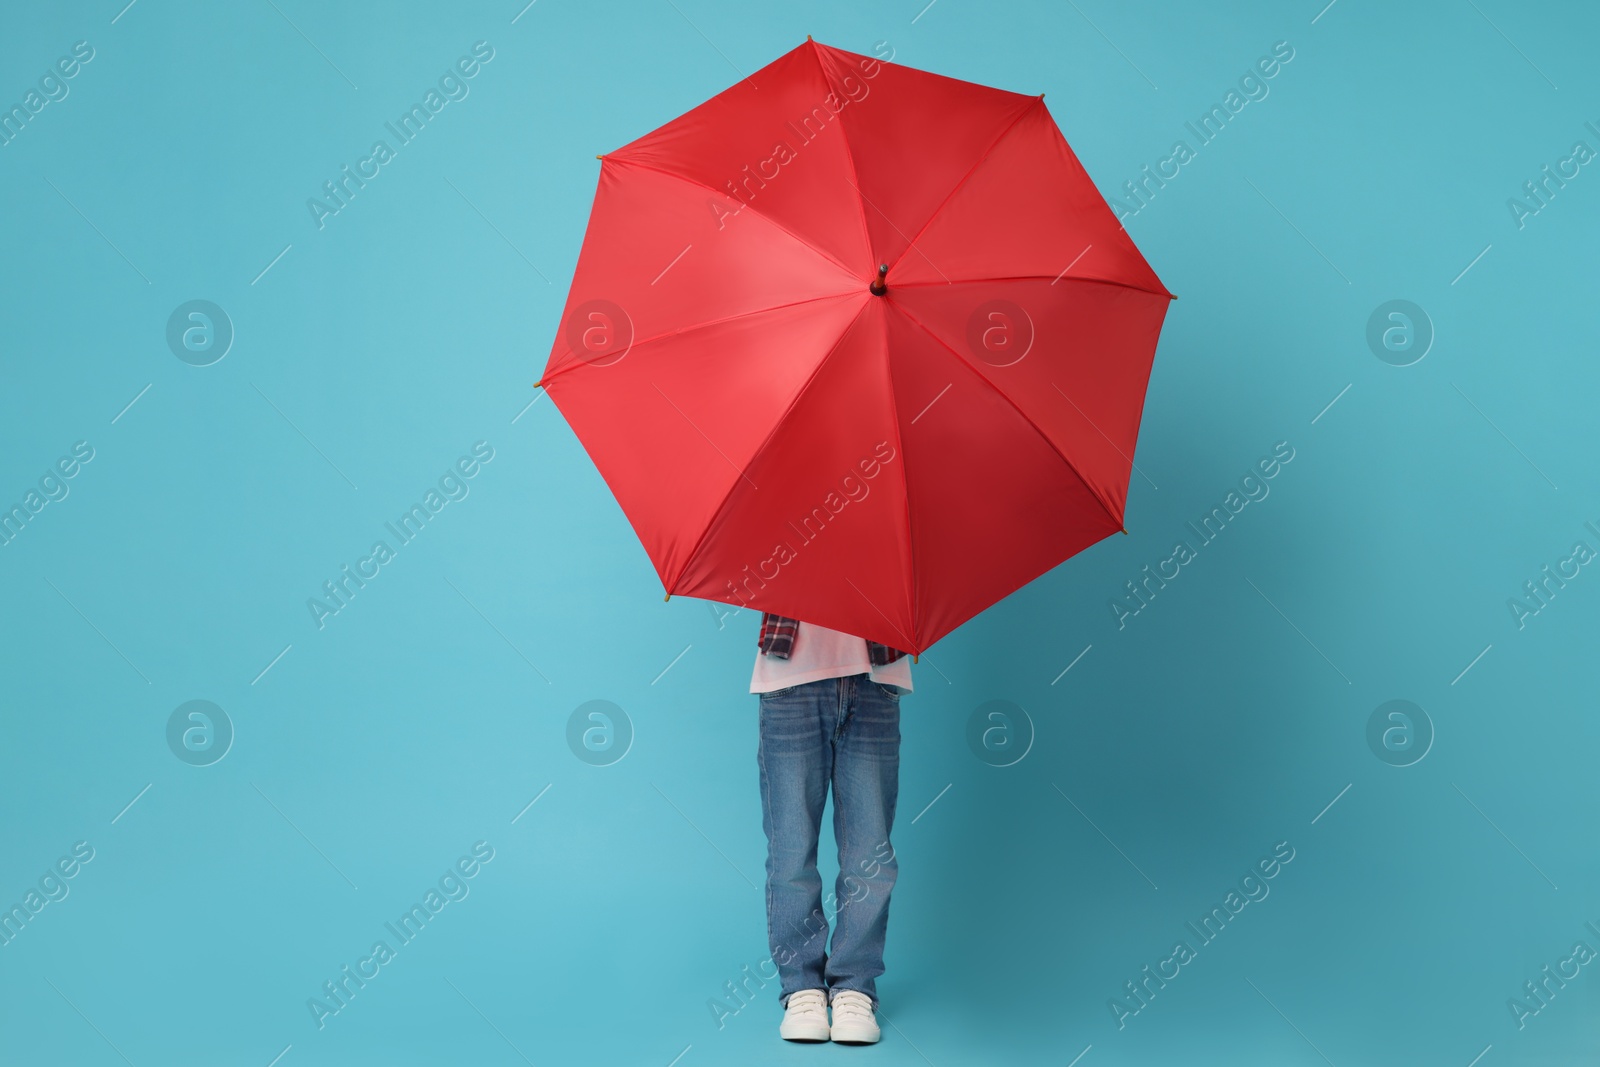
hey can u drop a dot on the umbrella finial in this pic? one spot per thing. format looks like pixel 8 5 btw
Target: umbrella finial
pixel 666 598
pixel 878 287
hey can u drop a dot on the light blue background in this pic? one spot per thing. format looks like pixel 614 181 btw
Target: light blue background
pixel 427 715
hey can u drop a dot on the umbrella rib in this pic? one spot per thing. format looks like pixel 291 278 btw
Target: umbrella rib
pixel 827 76
pixel 909 639
pixel 777 425
pixel 1104 506
pixel 905 482
pixel 820 253
pixel 707 436
pixel 897 229
pixel 987 152
pixel 680 331
pixel 1040 278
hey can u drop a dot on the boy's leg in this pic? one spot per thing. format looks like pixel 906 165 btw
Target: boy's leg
pixel 866 783
pixel 796 759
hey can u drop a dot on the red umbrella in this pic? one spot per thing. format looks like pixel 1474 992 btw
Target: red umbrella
pixel 858 344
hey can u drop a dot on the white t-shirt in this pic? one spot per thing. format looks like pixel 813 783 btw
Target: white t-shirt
pixel 823 653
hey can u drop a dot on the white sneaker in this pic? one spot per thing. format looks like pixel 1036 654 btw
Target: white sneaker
pixel 853 1021
pixel 805 1017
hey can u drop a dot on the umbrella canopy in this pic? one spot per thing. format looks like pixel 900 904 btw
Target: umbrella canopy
pixel 858 344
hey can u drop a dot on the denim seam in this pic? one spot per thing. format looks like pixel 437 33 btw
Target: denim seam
pixel 840 816
pixel 766 805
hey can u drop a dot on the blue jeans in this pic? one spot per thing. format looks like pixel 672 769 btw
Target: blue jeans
pixel 843 733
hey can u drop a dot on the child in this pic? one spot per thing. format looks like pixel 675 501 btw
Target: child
pixel 830 717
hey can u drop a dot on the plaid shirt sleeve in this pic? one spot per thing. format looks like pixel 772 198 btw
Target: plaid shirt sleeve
pixel 778 634
pixel 882 654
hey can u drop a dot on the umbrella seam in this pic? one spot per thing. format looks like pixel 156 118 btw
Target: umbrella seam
pixel 762 447
pixel 905 489
pixel 550 375
pixel 866 231
pixel 1073 467
pixel 1138 422
pixel 820 254
pixel 987 152
pixel 1040 278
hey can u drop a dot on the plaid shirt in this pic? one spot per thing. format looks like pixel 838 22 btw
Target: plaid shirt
pixel 778 635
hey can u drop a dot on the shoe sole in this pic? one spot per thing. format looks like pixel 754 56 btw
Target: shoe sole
pixel 856 1037
pixel 806 1035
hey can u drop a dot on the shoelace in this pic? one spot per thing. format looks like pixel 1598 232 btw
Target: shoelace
pixel 852 1004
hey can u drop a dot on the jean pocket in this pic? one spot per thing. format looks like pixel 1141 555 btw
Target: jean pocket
pixel 888 690
pixel 785 691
